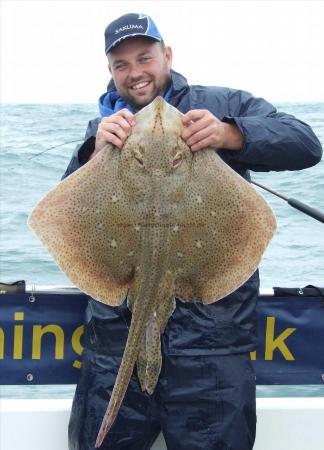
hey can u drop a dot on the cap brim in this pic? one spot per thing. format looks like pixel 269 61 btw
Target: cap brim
pixel 123 38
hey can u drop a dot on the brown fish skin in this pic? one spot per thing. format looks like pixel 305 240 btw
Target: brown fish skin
pixel 156 221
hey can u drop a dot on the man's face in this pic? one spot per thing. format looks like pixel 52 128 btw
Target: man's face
pixel 140 68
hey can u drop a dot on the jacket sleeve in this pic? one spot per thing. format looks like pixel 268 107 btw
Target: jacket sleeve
pixel 82 152
pixel 272 140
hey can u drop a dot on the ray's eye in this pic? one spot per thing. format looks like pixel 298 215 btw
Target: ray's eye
pixel 139 158
pixel 140 161
pixel 177 160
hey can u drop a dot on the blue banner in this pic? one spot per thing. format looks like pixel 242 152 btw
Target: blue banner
pixel 41 339
pixel 290 340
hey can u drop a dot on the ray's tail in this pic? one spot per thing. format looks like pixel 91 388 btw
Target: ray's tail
pixel 141 311
pixel 151 282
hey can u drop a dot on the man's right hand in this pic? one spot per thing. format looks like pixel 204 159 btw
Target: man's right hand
pixel 114 130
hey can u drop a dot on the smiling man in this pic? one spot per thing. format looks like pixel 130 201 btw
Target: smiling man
pixel 141 70
pixel 205 397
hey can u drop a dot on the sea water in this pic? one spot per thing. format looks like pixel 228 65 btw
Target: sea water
pixel 293 259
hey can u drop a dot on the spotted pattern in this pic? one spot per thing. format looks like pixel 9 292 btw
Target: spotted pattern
pixel 139 222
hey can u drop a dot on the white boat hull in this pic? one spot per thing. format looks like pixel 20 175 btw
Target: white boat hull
pixel 283 424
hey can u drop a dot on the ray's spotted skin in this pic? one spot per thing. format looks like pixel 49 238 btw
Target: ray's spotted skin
pixel 153 222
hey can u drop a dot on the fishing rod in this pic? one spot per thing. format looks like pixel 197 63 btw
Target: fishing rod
pixel 51 148
pixel 312 212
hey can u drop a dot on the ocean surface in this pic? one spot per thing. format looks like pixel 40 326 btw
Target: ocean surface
pixel 30 167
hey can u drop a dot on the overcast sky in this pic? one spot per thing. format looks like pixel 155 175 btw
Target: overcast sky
pixel 53 51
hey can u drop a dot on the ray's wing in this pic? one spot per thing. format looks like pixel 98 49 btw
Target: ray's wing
pixel 84 224
pixel 228 226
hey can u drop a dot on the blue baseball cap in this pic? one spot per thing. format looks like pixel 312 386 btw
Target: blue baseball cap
pixel 128 26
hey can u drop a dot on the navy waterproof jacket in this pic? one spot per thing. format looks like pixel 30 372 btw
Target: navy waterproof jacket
pixel 272 141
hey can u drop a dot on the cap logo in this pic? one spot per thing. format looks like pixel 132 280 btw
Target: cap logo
pixel 129 27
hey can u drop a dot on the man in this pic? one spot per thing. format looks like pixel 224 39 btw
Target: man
pixel 205 397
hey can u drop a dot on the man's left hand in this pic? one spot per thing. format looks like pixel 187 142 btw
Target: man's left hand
pixel 204 130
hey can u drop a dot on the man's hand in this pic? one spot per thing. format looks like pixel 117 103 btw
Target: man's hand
pixel 114 130
pixel 204 130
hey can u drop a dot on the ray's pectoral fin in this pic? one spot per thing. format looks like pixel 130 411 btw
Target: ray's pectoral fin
pixel 228 227
pixel 79 223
